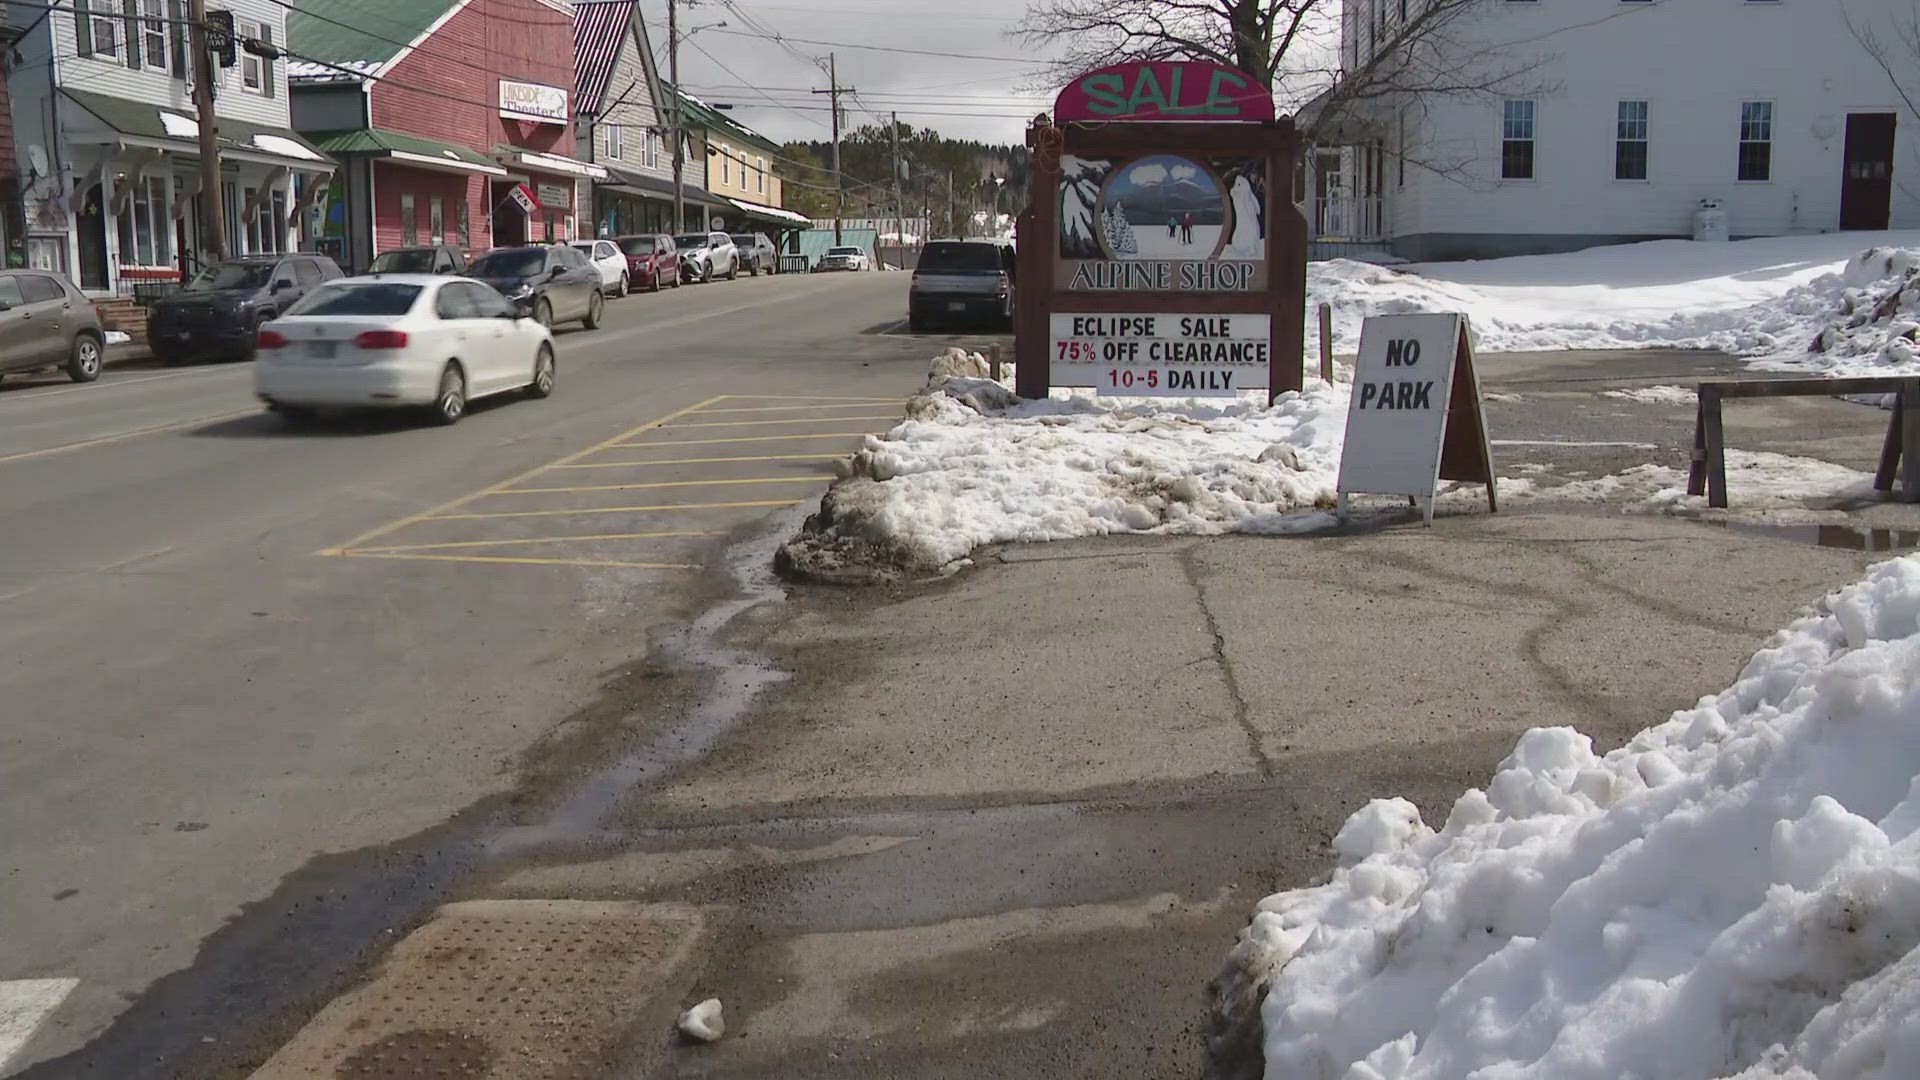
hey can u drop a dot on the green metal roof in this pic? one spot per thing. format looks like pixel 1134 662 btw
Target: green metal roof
pixel 815 242
pixel 142 119
pixel 698 114
pixel 359 34
pixel 382 141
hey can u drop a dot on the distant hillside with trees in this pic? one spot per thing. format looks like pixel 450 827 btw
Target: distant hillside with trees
pixel 945 180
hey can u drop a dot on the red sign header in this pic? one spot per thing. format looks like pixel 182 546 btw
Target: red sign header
pixel 1165 90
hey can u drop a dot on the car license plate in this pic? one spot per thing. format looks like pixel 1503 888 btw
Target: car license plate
pixel 956 305
pixel 322 350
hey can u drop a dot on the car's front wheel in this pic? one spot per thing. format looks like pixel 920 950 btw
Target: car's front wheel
pixel 83 361
pixel 543 312
pixel 451 403
pixel 542 384
pixel 596 307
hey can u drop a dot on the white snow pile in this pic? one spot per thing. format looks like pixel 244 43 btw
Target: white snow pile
pixel 1816 303
pixel 117 337
pixel 1755 479
pixel 1735 893
pixel 1654 395
pixel 973 465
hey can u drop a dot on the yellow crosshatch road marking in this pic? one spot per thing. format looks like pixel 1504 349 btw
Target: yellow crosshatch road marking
pixel 497 551
pixel 610 510
pixel 748 438
pixel 699 460
pixel 778 423
pixel 399 548
pixel 808 479
pixel 513 560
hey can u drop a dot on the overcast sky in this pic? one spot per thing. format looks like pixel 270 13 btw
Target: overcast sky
pixel 956 91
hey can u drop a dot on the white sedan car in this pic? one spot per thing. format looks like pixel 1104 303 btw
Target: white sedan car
pixel 399 340
pixel 606 257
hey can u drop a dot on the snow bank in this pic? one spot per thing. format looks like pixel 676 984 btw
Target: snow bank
pixel 1771 299
pixel 973 465
pixel 1734 893
pixel 1756 479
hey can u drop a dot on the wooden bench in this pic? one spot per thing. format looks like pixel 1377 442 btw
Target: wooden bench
pixel 1707 475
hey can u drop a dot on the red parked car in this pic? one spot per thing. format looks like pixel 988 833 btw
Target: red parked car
pixel 652 260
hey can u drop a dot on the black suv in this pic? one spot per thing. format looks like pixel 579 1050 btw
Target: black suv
pixel 219 312
pixel 434 259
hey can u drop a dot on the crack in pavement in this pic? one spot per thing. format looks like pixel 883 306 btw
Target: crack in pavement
pixel 1189 567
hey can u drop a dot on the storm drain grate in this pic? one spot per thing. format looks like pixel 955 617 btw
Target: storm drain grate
pixel 507 990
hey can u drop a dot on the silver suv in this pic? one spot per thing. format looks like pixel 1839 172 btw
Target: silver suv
pixel 705 256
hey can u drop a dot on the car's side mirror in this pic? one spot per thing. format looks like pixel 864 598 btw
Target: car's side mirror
pixel 556 272
pixel 6 305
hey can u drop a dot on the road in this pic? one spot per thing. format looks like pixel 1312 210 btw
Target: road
pixel 239 661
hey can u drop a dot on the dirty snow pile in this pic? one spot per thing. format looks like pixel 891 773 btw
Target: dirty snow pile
pixel 1815 303
pixel 1654 395
pixel 1756 479
pixel 1733 894
pixel 973 465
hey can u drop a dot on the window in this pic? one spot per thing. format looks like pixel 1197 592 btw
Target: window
pixel 726 166
pixel 152 222
pixel 38 289
pixel 384 298
pixel 154 30
pixel 106 30
pixel 1630 141
pixel 1756 140
pixel 460 224
pixel 409 231
pixel 256 72
pixel 760 177
pixel 436 221
pixel 454 302
pixel 653 150
pixel 276 225
pixel 10 291
pixel 1403 141
pixel 306 273
pixel 1516 140
pixel 613 140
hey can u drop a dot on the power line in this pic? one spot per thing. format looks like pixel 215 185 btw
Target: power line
pixel 881 48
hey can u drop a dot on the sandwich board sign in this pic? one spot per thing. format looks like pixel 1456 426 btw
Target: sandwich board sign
pixel 1416 417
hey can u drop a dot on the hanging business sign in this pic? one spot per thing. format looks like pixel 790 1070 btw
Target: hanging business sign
pixel 555 196
pixel 523 196
pixel 1161 354
pixel 1415 417
pixel 535 102
pixel 1162 223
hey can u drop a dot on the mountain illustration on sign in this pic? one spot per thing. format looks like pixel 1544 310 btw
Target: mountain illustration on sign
pixel 1179 207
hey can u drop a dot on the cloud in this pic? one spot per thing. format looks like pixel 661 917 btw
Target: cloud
pixel 1185 172
pixel 1147 175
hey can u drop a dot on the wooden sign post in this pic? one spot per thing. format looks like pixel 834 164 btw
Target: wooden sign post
pixel 1416 417
pixel 1161 254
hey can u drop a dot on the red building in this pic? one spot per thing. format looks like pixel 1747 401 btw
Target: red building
pixel 438 118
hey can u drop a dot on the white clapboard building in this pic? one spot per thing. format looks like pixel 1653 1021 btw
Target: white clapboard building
pixel 1629 114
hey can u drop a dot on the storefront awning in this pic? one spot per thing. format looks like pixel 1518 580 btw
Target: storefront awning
pixel 773 214
pixel 142 123
pixel 628 182
pixel 406 150
pixel 557 163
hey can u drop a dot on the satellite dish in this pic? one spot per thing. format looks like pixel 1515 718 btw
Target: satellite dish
pixel 1825 127
pixel 37 160
pixel 716 222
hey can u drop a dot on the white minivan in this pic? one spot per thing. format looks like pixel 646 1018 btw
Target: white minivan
pixel 400 340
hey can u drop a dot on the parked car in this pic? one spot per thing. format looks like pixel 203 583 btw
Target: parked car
pixel 606 257
pixel 432 259
pixel 397 340
pixel 962 281
pixel 708 255
pixel 843 258
pixel 222 308
pixel 652 260
pixel 756 253
pixel 45 323
pixel 552 283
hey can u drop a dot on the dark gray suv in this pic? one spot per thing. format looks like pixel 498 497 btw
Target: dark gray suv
pixel 220 311
pixel 45 322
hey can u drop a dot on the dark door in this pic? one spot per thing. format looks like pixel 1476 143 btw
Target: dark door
pixel 1866 191
pixel 92 225
pixel 45 337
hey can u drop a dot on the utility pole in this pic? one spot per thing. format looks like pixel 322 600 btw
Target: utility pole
pixel 839 186
pixel 679 142
pixel 213 221
pixel 893 129
pixel 953 226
